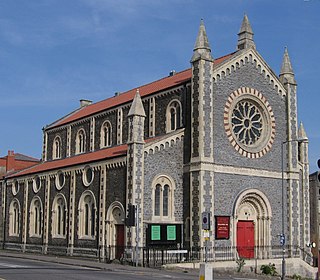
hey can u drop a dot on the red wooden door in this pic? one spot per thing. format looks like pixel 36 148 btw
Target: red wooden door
pixel 119 240
pixel 245 239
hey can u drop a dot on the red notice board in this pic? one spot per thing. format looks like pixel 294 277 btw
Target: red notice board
pixel 222 227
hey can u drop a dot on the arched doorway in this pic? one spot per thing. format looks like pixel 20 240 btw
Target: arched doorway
pixel 252 221
pixel 115 230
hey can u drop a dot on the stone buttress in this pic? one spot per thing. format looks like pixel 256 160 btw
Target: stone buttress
pixel 135 166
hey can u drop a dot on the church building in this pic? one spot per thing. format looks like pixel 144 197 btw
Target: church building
pixel 210 156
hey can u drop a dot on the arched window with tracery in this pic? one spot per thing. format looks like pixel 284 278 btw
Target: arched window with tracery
pixel 87 216
pixel 163 206
pixel 80 142
pixel 35 214
pixel 106 135
pixel 56 153
pixel 59 217
pixel 14 218
pixel 174 116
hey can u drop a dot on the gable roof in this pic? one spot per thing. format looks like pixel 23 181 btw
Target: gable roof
pixel 126 97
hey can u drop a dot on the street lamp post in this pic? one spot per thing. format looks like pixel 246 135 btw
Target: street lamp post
pixel 282 237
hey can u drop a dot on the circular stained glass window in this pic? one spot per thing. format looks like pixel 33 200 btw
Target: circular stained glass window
pixel 249 122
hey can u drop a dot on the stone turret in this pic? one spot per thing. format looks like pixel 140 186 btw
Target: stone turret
pixel 245 35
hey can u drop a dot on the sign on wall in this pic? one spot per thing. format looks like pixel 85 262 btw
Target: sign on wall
pixel 222 227
pixel 168 235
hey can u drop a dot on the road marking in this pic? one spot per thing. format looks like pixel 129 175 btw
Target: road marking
pixel 12 265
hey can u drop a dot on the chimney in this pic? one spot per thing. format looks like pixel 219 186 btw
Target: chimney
pixel 85 102
pixel 172 73
pixel 10 161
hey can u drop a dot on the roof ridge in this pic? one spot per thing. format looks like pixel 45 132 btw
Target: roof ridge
pixel 153 87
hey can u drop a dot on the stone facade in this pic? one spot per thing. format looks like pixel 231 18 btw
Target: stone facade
pixel 220 138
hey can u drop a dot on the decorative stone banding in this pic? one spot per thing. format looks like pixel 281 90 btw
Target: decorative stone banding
pixel 249 122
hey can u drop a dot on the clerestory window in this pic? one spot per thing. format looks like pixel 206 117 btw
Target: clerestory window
pixel 174 116
pixel 106 135
pixel 80 142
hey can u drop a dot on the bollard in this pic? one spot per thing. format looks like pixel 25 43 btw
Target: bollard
pixel 205 272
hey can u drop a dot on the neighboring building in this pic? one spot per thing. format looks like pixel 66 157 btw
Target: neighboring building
pixel 314 181
pixel 204 140
pixel 8 165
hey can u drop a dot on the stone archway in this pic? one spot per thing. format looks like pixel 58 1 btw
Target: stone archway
pixel 115 230
pixel 252 223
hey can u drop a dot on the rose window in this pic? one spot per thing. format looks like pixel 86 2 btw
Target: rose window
pixel 247 122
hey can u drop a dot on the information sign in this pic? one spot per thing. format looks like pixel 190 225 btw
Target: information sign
pixel 222 227
pixel 155 232
pixel 171 232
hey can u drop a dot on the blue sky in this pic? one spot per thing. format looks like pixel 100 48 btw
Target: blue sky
pixel 55 52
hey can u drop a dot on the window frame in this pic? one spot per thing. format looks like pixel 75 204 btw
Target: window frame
pixel 14 217
pixel 56 148
pixel 173 116
pixel 87 219
pixel 106 135
pixel 81 141
pixel 35 217
pixel 159 184
pixel 59 222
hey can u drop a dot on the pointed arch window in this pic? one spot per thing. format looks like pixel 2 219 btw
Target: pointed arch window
pixel 59 217
pixel 106 135
pixel 56 153
pixel 174 116
pixel 80 142
pixel 163 198
pixel 14 218
pixel 35 226
pixel 87 216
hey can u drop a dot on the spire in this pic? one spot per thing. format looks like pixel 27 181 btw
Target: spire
pixel 302 133
pixel 286 73
pixel 202 48
pixel 245 35
pixel 136 108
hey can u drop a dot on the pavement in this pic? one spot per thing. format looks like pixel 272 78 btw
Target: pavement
pixel 95 264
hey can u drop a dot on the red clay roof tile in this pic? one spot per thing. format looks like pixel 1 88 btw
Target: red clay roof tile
pixel 162 84
pixel 78 159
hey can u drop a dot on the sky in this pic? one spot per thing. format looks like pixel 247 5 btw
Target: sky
pixel 55 52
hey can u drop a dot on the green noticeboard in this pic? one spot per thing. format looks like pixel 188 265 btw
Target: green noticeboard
pixel 155 233
pixel 171 233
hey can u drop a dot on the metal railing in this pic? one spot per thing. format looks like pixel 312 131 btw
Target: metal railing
pixel 156 257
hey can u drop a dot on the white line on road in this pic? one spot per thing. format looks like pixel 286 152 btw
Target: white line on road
pixel 12 265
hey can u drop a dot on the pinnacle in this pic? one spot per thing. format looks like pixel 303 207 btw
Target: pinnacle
pixel 286 67
pixel 136 108
pixel 202 47
pixel 245 35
